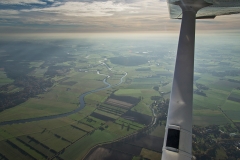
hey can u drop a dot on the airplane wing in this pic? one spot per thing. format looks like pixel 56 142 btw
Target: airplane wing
pixel 217 8
pixel 178 132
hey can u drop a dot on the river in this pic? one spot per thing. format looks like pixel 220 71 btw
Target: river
pixel 81 106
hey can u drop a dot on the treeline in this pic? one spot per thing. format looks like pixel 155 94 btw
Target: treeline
pixel 2 157
pixel 201 86
pixel 26 144
pixel 233 80
pixel 43 145
pixel 129 61
pixel 57 70
pixel 20 150
pixel 226 73
pixel 128 99
pixel 143 69
pixel 199 90
pixel 235 99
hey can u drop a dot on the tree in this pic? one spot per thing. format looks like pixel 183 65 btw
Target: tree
pixel 128 127
pixel 156 88
pixel 122 125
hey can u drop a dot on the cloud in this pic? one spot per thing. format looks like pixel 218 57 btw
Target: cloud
pixel 22 2
pixel 83 9
pixel 97 16
pixel 133 12
pixel 9 14
pixel 119 13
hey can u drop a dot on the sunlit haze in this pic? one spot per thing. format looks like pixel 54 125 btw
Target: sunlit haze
pixel 100 80
pixel 68 16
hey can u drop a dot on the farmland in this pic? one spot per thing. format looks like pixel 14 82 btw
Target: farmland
pixel 120 90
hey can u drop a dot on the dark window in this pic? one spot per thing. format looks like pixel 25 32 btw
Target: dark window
pixel 173 138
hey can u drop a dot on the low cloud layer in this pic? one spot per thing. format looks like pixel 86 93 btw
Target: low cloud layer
pixel 83 9
pixel 95 16
pixel 21 2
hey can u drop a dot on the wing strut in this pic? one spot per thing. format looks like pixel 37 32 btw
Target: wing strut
pixel 178 133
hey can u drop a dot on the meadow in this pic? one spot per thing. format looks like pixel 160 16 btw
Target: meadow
pixel 149 69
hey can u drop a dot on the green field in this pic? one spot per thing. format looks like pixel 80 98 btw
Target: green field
pixel 78 66
pixel 4 79
pixel 209 117
pixel 70 133
pixel 159 131
pixel 78 150
pixel 142 107
pixel 150 154
pixel 235 93
pixel 146 94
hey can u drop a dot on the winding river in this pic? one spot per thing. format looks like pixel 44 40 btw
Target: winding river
pixel 81 106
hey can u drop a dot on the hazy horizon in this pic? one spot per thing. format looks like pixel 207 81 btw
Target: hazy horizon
pixel 81 16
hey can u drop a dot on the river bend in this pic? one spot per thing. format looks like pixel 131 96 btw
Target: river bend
pixel 81 106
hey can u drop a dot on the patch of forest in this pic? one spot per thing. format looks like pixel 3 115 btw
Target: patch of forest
pixel 32 87
pixel 226 73
pixel 127 99
pixel 57 71
pixel 137 117
pixel 129 61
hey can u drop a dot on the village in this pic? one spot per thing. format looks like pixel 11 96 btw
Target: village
pixel 21 90
pixel 208 141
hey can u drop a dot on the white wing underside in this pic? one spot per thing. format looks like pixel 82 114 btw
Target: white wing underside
pixel 178 133
pixel 218 7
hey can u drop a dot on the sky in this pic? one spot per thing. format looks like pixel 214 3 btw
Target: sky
pixel 91 16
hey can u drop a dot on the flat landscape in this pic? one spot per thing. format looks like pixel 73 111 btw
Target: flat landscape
pixel 107 97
